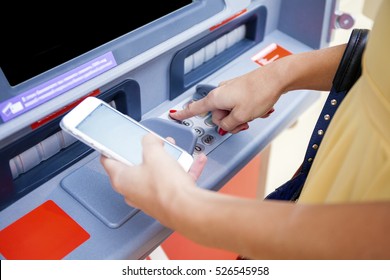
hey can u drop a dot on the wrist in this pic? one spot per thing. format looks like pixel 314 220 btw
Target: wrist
pixel 287 74
pixel 177 203
pixel 313 70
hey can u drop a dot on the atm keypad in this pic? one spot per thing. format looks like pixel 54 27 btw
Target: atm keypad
pixel 202 126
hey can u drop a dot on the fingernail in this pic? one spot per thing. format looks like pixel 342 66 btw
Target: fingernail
pixel 271 111
pixel 221 132
pixel 171 112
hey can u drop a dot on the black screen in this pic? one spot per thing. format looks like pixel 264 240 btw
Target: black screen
pixel 37 38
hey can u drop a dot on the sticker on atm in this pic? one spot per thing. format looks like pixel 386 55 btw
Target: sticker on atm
pixel 269 54
pixel 45 233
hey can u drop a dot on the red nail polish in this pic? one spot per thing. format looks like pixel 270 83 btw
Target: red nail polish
pixel 172 111
pixel 221 132
pixel 271 111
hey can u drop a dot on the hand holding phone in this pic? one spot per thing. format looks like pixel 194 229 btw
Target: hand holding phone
pixel 114 134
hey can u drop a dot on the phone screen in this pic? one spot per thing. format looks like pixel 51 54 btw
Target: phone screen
pixel 118 133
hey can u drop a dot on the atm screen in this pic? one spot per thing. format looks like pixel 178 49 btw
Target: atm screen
pixel 50 49
pixel 38 39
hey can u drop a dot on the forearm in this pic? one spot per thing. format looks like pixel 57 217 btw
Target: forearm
pixel 339 231
pixel 280 230
pixel 215 219
pixel 310 70
pixel 236 224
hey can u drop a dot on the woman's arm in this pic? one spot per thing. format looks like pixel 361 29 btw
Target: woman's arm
pixel 253 228
pixel 250 96
pixel 283 230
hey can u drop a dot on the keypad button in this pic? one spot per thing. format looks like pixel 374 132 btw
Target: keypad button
pixel 198 148
pixel 204 128
pixel 199 131
pixel 209 121
pixel 188 123
pixel 208 139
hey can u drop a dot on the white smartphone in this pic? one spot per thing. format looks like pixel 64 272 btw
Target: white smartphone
pixel 114 134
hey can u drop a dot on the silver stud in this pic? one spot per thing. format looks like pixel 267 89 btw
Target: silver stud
pixel 315 146
pixel 320 132
pixel 309 159
pixel 333 102
pixel 327 117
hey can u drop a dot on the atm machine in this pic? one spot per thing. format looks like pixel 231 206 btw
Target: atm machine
pixel 56 201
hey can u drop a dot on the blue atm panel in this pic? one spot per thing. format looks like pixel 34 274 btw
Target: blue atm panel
pixel 143 66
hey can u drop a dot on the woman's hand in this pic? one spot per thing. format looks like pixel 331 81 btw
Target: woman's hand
pixel 236 102
pixel 152 185
pixel 240 100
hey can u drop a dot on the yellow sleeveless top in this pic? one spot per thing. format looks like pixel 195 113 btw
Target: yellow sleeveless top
pixel 353 162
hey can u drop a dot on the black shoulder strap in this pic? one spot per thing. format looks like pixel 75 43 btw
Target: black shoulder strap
pixel 348 72
pixel 350 69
